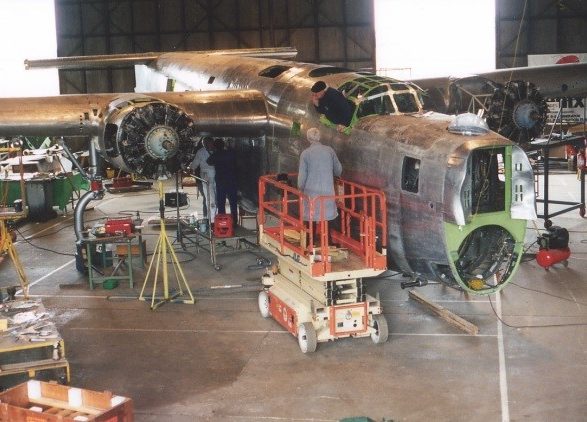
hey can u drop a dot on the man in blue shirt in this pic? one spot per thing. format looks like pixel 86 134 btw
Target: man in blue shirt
pixel 333 104
pixel 224 162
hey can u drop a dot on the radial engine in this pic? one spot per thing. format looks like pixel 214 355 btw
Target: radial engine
pixel 147 136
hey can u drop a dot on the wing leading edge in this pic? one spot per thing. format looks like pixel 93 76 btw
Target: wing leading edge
pixel 121 60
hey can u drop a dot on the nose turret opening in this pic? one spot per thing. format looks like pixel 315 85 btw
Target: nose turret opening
pixel 486 258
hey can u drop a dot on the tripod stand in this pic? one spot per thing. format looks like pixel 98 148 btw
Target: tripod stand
pixel 6 215
pixel 162 247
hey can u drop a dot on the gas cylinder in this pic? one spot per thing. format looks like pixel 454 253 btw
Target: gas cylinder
pixel 548 257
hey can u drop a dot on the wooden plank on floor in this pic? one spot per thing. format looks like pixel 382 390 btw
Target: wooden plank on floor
pixel 445 314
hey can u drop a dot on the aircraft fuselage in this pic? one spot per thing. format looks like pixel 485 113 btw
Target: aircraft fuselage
pixel 442 226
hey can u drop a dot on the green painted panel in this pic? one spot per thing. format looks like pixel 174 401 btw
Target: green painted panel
pixel 63 188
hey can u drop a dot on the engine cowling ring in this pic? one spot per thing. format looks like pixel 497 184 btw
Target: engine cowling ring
pixel 147 136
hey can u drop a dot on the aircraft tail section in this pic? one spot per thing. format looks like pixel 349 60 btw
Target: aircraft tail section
pixel 120 60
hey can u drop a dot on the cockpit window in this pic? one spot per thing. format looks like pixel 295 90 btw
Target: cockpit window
pixel 399 87
pixel 274 71
pixel 406 102
pixel 352 89
pixel 380 105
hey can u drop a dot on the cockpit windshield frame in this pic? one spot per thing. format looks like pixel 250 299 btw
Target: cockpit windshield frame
pixel 378 95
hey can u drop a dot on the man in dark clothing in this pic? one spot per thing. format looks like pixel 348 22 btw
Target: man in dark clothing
pixel 224 161
pixel 333 104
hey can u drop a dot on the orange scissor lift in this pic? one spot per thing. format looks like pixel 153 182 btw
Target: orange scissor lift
pixel 316 291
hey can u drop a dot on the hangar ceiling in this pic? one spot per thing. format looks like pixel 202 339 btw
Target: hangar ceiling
pixel 338 32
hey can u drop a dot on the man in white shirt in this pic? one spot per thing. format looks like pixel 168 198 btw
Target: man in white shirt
pixel 208 173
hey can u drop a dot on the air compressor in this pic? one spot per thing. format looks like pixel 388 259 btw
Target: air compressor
pixel 554 247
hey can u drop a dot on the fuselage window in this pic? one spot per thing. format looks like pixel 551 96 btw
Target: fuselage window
pixel 411 174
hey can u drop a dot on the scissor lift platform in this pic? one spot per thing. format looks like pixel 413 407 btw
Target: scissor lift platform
pixel 316 290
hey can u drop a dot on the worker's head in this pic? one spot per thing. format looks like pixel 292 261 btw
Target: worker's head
pixel 218 144
pixel 318 89
pixel 313 135
pixel 208 142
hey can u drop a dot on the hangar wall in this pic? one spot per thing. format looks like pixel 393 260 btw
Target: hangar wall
pixel 549 27
pixel 338 32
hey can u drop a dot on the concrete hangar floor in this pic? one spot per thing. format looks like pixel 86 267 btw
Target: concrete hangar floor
pixel 220 360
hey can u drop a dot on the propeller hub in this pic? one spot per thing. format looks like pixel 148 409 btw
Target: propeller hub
pixel 162 142
pixel 526 114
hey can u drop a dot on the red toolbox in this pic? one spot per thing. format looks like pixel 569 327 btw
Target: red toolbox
pixel 223 226
pixel 119 226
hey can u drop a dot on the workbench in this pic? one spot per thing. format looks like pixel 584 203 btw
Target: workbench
pixel 129 244
pixel 62 188
pixel 30 349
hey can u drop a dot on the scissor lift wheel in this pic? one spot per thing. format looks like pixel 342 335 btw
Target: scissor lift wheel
pixel 264 304
pixel 307 337
pixel 381 331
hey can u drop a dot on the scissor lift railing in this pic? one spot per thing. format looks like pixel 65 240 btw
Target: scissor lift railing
pixel 316 291
pixel 362 229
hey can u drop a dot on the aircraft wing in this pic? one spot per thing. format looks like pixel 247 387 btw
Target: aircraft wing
pixel 512 100
pixel 223 113
pixel 118 60
pixel 561 80
pixel 140 132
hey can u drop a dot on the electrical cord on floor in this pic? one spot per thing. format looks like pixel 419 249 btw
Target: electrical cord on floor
pixel 578 324
pixel 548 294
pixel 527 257
pixel 177 252
pixel 59 229
pixel 131 213
pixel 42 248
pixel 385 276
